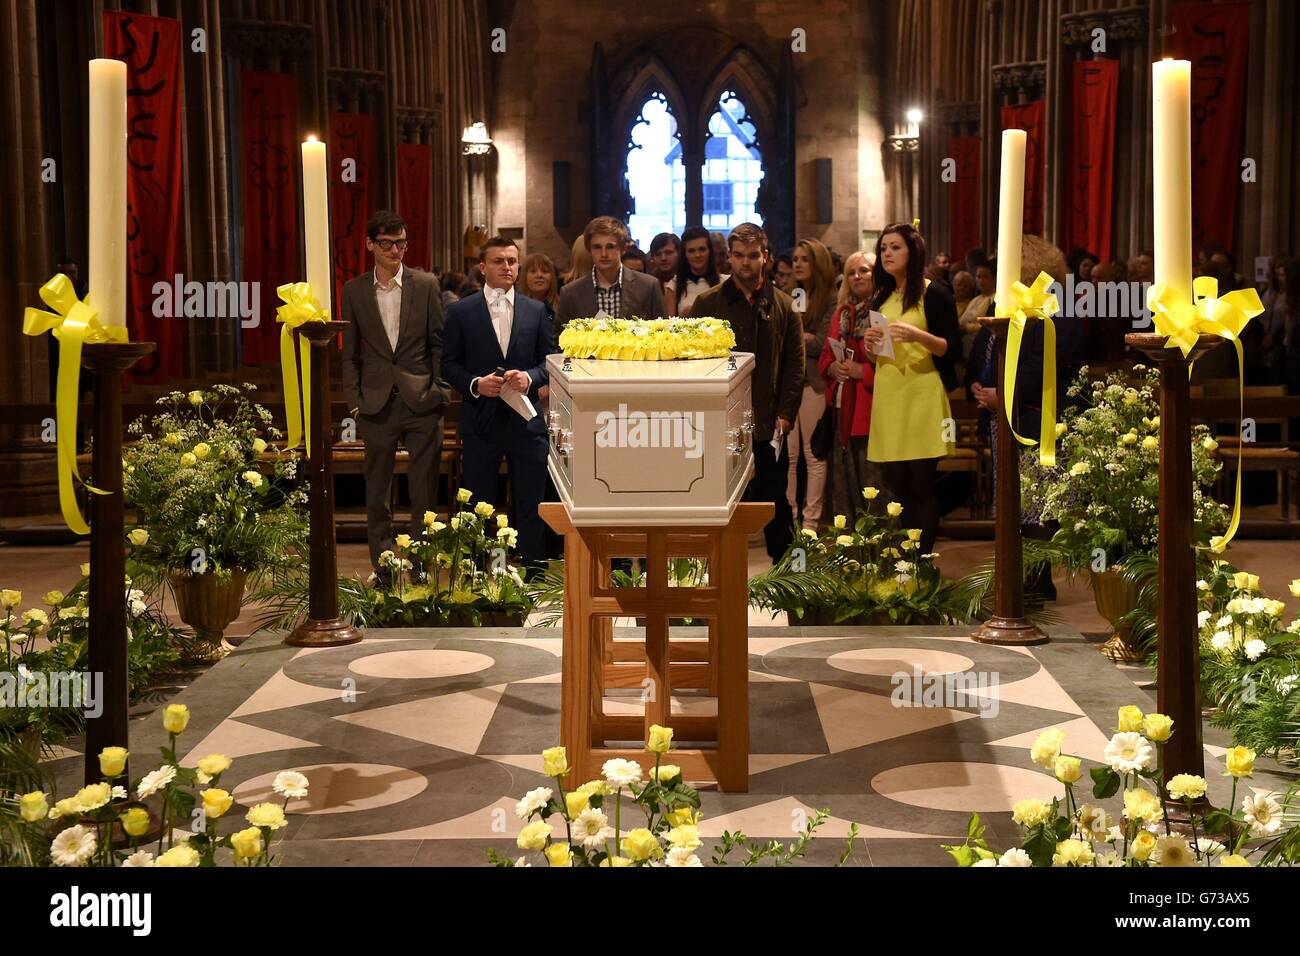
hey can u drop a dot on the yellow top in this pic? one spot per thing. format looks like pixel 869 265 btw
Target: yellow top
pixel 910 415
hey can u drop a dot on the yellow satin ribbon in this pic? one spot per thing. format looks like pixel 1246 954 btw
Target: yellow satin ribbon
pixel 1182 323
pixel 300 306
pixel 73 323
pixel 1032 301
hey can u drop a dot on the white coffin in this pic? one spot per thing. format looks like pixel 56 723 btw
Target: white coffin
pixel 651 443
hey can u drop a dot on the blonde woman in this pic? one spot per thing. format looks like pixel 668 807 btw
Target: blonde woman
pixel 814 280
pixel 579 261
pixel 537 280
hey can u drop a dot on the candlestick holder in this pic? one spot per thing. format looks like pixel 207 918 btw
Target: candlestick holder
pixel 1177 644
pixel 323 626
pixel 1008 625
pixel 106 592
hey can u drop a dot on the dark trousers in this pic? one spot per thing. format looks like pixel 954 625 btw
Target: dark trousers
pixel 525 455
pixel 911 484
pixel 421 435
pixel 771 473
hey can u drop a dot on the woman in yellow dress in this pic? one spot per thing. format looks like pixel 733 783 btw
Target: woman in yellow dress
pixel 911 422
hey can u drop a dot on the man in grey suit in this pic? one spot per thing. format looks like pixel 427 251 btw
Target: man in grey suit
pixel 392 377
pixel 617 292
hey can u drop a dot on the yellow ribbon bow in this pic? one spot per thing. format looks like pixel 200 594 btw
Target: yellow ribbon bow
pixel 300 306
pixel 1033 301
pixel 1183 322
pixel 73 323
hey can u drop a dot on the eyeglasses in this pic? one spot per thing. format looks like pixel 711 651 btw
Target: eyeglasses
pixel 388 245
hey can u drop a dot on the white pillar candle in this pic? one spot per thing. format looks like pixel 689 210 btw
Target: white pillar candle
pixel 1011 215
pixel 1171 115
pixel 316 221
pixel 107 166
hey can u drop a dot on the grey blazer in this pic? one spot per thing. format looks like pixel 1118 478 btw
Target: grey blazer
pixel 642 297
pixel 371 366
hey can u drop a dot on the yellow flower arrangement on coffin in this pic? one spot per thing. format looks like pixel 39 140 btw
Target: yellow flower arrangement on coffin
pixel 647 340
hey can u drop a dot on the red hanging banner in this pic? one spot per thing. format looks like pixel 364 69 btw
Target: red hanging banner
pixel 964 196
pixel 414 199
pixel 1029 117
pixel 269 161
pixel 151 48
pixel 351 161
pixel 1215 37
pixel 1089 212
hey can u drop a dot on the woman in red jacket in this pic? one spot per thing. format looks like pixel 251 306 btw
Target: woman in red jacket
pixel 848 387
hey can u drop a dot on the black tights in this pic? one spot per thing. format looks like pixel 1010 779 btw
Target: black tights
pixel 911 484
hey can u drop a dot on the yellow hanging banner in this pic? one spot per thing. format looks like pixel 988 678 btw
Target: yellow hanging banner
pixel 73 323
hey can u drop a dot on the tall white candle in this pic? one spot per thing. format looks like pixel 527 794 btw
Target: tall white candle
pixel 1011 215
pixel 316 221
pixel 107 164
pixel 1171 115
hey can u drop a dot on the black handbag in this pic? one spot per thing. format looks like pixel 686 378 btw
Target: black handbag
pixel 824 434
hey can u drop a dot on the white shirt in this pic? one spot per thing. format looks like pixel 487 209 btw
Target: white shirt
pixel 501 307
pixel 389 300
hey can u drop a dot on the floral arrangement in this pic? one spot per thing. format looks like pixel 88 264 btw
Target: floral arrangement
pixel 1109 439
pixel 54 639
pixel 1070 833
pixel 670 836
pixel 98 811
pixel 204 498
pixel 457 572
pixel 875 570
pixel 649 340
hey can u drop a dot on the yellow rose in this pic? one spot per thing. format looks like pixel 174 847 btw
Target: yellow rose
pixel 112 761
pixel 176 718
pixel 1241 580
pixel 640 844
pixel 85 569
pixel 201 451
pixel 246 843
pixel 429 518
pixel 1295 588
pixel 1233 859
pixel 1150 442
pixel 1157 727
pixel 1142 845
pixel 403 541
pixel 214 764
pixel 66 807
pixel 196 397
pixel 870 493
pixel 665 772
pixel 463 495
pixel 1067 769
pixel 844 540
pixel 557 854
pixel 188 460
pixel 595 788
pixel 894 509
pixel 10 598
pixel 135 821
pixel 534 836
pixel 1252 582
pixel 683 816
pixel 913 534
pixel 259 445
pixel 1030 812
pixel 484 510
pixel 616 861
pixel 503 521
pixel 1142 804
pixel 216 802
pixel 180 855
pixel 34 806
pixel 54 598
pixel 841 522
pixel 1130 719
pixel 1240 761
pixel 172 438
pixel 1047 747
pixel 661 738
pixel 555 762
pixel 267 815
pixel 575 801
pixel 1209 444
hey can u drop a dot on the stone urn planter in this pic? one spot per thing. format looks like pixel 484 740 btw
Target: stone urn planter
pixel 208 603
pixel 1115 597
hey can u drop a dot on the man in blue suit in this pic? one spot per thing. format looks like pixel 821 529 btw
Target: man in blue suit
pixel 498 330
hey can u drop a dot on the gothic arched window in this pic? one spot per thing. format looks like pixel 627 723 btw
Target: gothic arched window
pixel 733 166
pixel 656 178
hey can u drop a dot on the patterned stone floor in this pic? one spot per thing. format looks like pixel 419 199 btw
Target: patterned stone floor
pixel 418 742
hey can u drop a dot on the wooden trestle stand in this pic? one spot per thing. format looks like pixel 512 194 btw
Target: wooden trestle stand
pixel 592 662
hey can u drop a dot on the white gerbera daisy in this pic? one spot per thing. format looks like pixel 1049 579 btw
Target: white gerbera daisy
pixel 1129 751
pixel 73 847
pixel 592 828
pixel 622 773
pixel 1015 857
pixel 291 783
pixel 1173 851
pixel 139 858
pixel 532 801
pixel 680 856
pixel 155 780
pixel 1262 812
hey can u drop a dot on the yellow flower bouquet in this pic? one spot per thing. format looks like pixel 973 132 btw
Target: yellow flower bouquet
pixel 647 340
